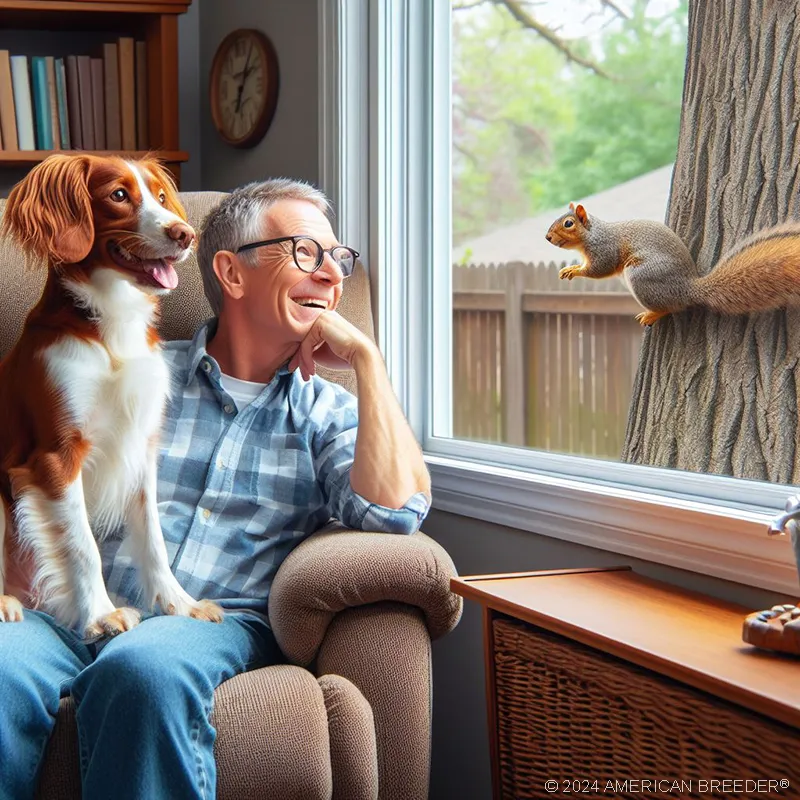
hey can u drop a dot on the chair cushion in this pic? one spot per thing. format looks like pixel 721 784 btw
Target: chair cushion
pixel 280 733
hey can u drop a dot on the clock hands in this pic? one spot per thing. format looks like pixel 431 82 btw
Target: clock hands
pixel 245 73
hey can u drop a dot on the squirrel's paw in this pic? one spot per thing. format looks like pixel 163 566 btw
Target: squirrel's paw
pixel 649 317
pixel 570 272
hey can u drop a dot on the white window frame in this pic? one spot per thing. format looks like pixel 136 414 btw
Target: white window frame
pixel 384 161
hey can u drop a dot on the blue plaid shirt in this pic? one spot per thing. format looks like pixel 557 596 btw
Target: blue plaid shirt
pixel 237 491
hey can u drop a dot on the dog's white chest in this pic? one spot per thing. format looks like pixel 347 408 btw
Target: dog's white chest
pixel 113 394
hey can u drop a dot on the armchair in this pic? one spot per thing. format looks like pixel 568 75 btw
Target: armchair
pixel 349 716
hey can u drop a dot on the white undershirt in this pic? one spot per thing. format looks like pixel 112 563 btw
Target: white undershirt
pixel 243 392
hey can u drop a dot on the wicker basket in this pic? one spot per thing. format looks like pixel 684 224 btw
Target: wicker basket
pixel 566 712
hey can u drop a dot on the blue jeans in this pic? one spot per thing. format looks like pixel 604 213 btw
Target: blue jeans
pixel 143 701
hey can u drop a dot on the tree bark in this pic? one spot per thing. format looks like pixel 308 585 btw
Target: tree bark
pixel 720 394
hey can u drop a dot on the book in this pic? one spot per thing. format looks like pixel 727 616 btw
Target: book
pixel 111 79
pixel 87 106
pixel 63 110
pixel 127 91
pixel 98 103
pixel 141 95
pixel 55 123
pixel 41 104
pixel 8 115
pixel 23 102
pixel 74 102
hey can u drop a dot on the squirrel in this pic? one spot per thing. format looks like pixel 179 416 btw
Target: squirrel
pixel 760 273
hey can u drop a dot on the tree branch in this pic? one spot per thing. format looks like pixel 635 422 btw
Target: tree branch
pixel 466 153
pixel 526 20
pixel 467 6
pixel 527 130
pixel 614 7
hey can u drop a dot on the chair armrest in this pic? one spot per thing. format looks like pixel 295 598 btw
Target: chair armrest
pixel 338 568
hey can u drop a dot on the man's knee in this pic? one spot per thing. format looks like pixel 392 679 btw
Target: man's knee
pixel 137 673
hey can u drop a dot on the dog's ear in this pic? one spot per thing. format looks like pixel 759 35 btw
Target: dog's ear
pixel 49 212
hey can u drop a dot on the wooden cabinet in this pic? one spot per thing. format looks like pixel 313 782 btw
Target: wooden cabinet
pixel 608 684
pixel 153 21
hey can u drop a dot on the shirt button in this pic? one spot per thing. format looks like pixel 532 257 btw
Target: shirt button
pixel 206 366
pixel 206 513
pixel 228 408
pixel 220 463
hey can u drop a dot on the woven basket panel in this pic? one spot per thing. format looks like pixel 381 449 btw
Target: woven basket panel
pixel 566 711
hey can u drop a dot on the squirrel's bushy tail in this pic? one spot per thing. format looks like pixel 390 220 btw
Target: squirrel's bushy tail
pixel 760 274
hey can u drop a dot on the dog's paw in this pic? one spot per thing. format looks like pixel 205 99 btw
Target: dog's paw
pixel 118 621
pixel 185 606
pixel 10 609
pixel 207 610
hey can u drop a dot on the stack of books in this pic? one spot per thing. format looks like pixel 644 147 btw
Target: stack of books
pixel 78 102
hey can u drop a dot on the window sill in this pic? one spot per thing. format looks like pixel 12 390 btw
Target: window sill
pixel 712 539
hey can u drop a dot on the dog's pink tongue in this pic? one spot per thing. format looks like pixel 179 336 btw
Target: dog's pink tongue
pixel 162 272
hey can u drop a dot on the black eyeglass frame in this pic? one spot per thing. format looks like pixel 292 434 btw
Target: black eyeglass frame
pixel 320 250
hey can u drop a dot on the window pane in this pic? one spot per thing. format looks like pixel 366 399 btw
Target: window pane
pixel 553 102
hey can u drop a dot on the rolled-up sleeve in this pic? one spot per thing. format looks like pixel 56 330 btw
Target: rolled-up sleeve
pixel 334 452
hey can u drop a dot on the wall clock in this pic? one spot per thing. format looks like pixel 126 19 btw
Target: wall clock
pixel 244 87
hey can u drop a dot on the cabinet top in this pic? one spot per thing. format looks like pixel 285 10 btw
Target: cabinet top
pixel 684 635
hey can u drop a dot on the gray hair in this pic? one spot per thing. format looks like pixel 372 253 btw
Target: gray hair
pixel 241 218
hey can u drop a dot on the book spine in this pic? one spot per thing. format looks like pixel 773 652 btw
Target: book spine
pixel 41 103
pixel 8 115
pixel 127 92
pixel 52 98
pixel 87 106
pixel 98 103
pixel 63 110
pixel 111 80
pixel 74 102
pixel 23 105
pixel 141 96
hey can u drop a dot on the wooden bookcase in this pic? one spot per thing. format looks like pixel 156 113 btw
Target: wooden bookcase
pixel 154 21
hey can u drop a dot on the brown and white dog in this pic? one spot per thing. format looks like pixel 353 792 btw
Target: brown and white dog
pixel 82 393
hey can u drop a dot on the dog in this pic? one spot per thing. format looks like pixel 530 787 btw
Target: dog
pixel 83 391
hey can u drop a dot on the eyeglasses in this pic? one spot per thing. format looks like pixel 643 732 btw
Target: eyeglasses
pixel 308 253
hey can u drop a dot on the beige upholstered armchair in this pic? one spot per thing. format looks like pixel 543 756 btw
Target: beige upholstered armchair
pixel 350 716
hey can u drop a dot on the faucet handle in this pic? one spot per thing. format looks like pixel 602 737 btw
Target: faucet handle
pixel 787 522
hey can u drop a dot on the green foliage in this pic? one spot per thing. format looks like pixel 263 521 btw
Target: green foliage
pixel 532 130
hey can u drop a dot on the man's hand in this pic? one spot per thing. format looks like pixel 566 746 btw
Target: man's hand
pixel 332 342
pixel 388 467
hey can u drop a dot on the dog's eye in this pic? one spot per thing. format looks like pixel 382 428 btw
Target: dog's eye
pixel 162 198
pixel 119 195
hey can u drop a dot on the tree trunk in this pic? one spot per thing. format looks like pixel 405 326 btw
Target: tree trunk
pixel 719 394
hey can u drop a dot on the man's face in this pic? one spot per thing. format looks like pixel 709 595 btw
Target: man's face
pixel 277 293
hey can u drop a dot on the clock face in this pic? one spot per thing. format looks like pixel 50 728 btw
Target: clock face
pixel 244 87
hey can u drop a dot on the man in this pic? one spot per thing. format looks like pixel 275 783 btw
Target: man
pixel 257 453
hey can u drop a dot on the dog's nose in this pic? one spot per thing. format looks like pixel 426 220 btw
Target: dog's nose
pixel 182 233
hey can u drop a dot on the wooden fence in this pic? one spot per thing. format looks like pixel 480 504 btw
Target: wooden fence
pixel 542 362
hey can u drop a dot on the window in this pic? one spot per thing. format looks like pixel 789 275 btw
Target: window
pixel 416 70
pixel 553 102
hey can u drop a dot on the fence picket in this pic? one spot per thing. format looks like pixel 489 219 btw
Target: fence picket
pixel 542 362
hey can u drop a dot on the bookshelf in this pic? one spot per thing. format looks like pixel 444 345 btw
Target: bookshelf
pixel 59 28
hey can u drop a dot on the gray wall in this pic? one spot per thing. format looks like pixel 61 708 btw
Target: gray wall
pixel 460 769
pixel 189 100
pixel 290 147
